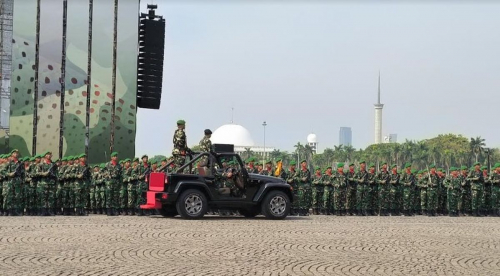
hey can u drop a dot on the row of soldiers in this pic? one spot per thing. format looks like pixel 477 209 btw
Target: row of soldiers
pixel 363 191
pixel 38 186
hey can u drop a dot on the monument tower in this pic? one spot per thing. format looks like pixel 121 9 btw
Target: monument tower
pixel 378 116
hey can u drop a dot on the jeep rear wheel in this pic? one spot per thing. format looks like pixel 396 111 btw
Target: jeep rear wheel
pixel 276 205
pixel 192 204
pixel 168 211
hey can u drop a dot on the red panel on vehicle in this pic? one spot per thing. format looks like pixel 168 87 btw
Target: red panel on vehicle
pixel 157 182
pixel 151 201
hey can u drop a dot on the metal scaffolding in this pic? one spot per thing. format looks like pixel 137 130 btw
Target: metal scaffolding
pixel 6 14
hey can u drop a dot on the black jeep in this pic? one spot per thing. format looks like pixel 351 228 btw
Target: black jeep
pixel 217 185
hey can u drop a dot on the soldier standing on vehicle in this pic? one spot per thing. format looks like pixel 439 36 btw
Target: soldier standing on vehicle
pixel 205 146
pixel 180 145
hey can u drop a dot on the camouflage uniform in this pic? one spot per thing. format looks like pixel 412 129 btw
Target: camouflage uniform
pixel 339 193
pixel 422 185
pixel 384 192
pixel 68 189
pixel 317 191
pixel 60 187
pixel 453 185
pixel 395 193
pixel 372 193
pixel 304 190
pixel 291 178
pixel 477 191
pixel 80 187
pixel 30 178
pixel 351 192
pixel 407 181
pixel 205 146
pixel 328 203
pixel 432 196
pixel 141 185
pixel 94 178
pixel 495 192
pixel 112 173
pixel 100 190
pixel 362 192
pixel 464 205
pixel 180 146
pixel 127 185
pixel 11 187
pixel 46 187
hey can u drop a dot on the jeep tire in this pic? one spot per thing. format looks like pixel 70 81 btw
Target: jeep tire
pixel 192 204
pixel 276 205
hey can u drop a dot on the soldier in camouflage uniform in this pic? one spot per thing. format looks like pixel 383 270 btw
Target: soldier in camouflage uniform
pixel 304 187
pixel 180 145
pixel 205 146
pixel 11 185
pixel 94 178
pixel 477 190
pixel 495 190
pixel 127 180
pixel 317 191
pixel 112 176
pixel 371 190
pixel 100 190
pixel 68 199
pixel 339 190
pixel 487 191
pixel 81 173
pixel 46 187
pixel 327 207
pixel 141 173
pixel 423 184
pixel 251 166
pixel 384 190
pixel 407 181
pixel 432 190
pixel 453 186
pixel 268 170
pixel 464 205
pixel 30 187
pixel 361 179
pixel 395 192
pixel 60 185
pixel 2 178
pixel 351 191
pixel 292 180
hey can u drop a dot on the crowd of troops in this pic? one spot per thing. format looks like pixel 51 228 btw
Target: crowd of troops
pixel 364 191
pixel 39 186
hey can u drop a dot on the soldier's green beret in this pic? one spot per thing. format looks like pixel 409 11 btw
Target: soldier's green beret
pixel 463 167
pixel 121 161
pixel 372 165
pixel 163 159
pixel 82 155
pixel 394 166
pixel 452 169
pixel 38 156
pixel 484 168
pixel 145 155
pixel 96 166
pixel 181 122
pixel 303 161
pixel 496 165
pixel 257 164
pixel 362 161
pixel 126 160
pixel 279 160
pixel 14 150
pixel 64 158
pixel 114 154
pixel 102 166
pixel 419 172
pixel 318 169
pixel 385 163
pixel 424 171
pixel 329 167
pixel 414 171
pixel 407 165
pixel 269 162
pixel 293 163
pixel 223 160
pixel 32 159
pixel 477 164
pixel 136 159
pixel 432 166
pixel 340 165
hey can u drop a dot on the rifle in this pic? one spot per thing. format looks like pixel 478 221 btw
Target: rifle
pixel 19 170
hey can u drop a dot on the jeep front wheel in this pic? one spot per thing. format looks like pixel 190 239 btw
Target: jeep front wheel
pixel 276 205
pixel 192 204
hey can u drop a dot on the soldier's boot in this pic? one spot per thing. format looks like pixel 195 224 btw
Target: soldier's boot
pixel 315 211
pixel 140 212
pixel 132 211
pixel 50 212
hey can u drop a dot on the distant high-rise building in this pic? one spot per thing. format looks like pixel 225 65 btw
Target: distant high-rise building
pixel 378 116
pixel 391 138
pixel 345 136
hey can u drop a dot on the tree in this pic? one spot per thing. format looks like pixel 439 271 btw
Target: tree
pixel 477 146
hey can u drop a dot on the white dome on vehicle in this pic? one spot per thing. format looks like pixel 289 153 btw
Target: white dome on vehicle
pixel 232 134
pixel 311 138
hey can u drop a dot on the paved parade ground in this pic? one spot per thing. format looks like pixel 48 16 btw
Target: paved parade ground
pixel 316 245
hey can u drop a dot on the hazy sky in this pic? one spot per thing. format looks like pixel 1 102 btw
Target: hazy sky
pixel 314 67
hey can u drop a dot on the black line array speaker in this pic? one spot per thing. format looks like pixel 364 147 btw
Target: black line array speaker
pixel 150 61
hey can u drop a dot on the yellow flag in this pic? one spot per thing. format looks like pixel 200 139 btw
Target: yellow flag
pixel 279 167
